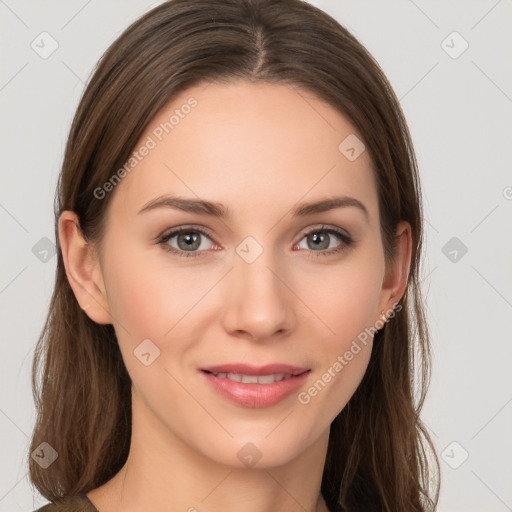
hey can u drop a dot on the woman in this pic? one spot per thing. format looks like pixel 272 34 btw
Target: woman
pixel 237 311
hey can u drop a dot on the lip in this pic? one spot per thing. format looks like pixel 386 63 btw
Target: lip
pixel 255 395
pixel 247 369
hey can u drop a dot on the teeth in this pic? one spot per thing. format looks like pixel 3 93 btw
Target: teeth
pixel 267 379
pixel 254 379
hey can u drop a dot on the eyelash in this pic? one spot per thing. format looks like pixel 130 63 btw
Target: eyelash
pixel 346 241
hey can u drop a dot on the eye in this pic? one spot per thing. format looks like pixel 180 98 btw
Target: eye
pixel 320 239
pixel 188 241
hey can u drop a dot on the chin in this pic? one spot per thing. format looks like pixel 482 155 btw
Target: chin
pixel 259 450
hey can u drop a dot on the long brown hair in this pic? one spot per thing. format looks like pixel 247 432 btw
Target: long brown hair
pixel 379 452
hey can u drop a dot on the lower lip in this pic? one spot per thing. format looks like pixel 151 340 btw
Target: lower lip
pixel 255 395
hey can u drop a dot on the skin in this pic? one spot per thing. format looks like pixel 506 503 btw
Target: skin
pixel 260 149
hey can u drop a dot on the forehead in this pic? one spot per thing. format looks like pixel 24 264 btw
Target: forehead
pixel 248 145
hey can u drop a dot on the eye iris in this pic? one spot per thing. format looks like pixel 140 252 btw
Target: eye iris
pixel 191 240
pixel 319 240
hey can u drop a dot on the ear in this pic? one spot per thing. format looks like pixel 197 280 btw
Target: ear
pixel 397 275
pixel 83 269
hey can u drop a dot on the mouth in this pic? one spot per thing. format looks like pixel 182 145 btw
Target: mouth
pixel 253 379
pixel 255 387
pixel 252 370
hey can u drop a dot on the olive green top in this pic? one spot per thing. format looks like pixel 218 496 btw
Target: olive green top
pixel 79 503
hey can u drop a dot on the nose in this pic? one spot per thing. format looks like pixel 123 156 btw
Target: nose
pixel 258 303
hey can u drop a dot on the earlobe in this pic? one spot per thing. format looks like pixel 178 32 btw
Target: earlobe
pixel 83 269
pixel 395 283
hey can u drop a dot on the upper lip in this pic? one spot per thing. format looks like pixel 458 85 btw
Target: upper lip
pixel 245 369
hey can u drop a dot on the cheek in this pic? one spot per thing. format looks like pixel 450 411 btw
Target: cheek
pixel 155 302
pixel 148 298
pixel 348 299
pixel 347 306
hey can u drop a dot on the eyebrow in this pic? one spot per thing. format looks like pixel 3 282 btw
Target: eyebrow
pixel 219 210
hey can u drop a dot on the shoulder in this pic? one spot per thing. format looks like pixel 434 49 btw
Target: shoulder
pixel 80 503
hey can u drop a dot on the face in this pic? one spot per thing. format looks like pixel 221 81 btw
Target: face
pixel 269 282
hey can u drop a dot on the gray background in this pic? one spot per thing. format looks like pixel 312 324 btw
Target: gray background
pixel 459 111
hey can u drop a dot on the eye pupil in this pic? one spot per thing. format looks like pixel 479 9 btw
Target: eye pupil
pixel 319 240
pixel 191 240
